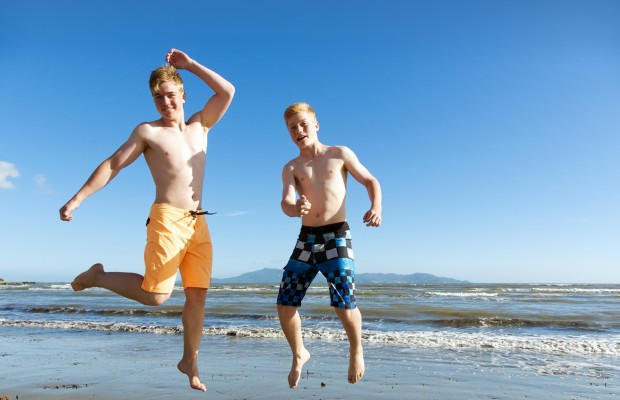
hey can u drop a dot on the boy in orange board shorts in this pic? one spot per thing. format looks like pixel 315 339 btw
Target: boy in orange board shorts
pixel 177 233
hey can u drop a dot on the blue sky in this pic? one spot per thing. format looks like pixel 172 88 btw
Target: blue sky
pixel 493 127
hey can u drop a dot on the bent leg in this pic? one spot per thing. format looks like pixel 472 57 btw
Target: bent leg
pixel 193 319
pixel 291 326
pixel 352 323
pixel 126 284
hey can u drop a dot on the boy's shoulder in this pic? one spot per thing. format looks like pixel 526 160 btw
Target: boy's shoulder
pixel 338 149
pixel 150 124
pixel 149 131
pixel 291 163
pixel 341 152
pixel 145 128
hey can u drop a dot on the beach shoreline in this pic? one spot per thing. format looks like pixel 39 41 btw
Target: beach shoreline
pixel 76 365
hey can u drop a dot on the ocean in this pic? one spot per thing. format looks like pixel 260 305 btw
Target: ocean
pixel 556 329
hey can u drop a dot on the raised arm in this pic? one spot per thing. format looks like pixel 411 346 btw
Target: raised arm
pixel 105 172
pixel 372 217
pixel 217 105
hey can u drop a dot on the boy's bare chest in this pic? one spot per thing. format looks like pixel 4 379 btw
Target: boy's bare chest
pixel 180 145
pixel 319 170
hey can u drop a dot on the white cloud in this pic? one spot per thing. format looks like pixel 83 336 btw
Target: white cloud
pixel 7 170
pixel 41 183
pixel 236 213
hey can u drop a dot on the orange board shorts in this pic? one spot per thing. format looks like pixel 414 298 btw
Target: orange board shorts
pixel 176 239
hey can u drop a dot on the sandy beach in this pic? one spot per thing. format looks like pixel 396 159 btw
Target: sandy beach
pixel 56 364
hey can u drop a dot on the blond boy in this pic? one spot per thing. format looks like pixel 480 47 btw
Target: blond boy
pixel 177 232
pixel 314 188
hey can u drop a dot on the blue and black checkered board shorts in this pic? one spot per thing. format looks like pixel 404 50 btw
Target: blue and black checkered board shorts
pixel 326 249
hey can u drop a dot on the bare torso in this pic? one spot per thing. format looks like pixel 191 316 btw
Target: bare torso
pixel 176 160
pixel 323 181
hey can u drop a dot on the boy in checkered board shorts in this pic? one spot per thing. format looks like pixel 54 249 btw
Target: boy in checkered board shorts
pixel 318 176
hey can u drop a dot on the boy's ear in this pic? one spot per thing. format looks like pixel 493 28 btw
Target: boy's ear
pixel 183 97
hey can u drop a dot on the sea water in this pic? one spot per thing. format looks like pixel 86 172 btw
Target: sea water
pixel 549 328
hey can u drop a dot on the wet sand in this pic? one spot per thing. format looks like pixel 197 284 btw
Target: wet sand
pixel 56 364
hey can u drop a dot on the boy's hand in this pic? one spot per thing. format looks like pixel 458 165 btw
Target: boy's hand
pixel 372 218
pixel 178 59
pixel 65 211
pixel 303 206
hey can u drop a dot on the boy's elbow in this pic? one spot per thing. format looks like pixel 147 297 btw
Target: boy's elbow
pixel 230 90
pixel 371 182
pixel 285 206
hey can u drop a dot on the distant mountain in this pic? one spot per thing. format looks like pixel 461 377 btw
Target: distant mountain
pixel 273 275
pixel 419 278
pixel 265 275
pixel 5 283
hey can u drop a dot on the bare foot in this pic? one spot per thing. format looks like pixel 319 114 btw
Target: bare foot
pixel 88 278
pixel 356 367
pixel 298 364
pixel 192 374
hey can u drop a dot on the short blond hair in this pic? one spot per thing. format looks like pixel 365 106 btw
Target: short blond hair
pixel 166 73
pixel 298 108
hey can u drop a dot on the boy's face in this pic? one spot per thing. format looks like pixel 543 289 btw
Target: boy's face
pixel 303 128
pixel 169 100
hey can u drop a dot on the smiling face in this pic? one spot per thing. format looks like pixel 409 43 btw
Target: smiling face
pixel 169 99
pixel 303 128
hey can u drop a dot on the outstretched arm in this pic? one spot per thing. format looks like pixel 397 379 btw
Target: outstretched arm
pixel 104 173
pixel 217 105
pixel 372 217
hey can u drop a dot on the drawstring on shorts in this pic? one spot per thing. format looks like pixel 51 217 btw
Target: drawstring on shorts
pixel 194 213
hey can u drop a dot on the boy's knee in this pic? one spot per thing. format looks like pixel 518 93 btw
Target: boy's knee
pixel 195 294
pixel 157 299
pixel 347 313
pixel 286 310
